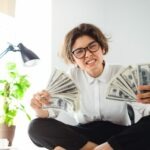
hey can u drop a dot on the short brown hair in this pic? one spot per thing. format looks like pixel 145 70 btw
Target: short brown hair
pixel 83 29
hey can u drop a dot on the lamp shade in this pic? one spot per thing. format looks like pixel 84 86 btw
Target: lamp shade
pixel 28 56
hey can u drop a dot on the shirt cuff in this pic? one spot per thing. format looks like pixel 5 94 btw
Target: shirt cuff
pixel 52 113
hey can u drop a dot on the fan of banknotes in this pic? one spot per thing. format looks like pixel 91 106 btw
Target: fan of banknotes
pixel 123 86
pixel 64 92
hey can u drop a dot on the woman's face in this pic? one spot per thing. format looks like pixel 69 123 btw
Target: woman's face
pixel 92 62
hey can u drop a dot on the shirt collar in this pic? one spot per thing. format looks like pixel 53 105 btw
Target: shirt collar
pixel 104 77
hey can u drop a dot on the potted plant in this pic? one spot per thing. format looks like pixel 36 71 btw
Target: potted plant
pixel 12 90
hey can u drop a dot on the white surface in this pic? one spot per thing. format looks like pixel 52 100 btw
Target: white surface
pixel 21 139
pixel 9 148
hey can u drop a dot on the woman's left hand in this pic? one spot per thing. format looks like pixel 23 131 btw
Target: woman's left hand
pixel 104 146
pixel 145 96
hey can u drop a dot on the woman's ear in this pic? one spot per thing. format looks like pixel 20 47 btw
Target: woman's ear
pixel 76 65
pixel 103 50
pixel 73 61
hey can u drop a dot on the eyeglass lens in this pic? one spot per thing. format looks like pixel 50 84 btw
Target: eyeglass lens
pixel 80 52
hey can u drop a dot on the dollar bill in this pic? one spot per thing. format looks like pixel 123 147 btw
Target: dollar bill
pixel 143 74
pixel 123 86
pixel 61 104
pixel 134 72
pixel 129 78
pixel 116 93
pixel 64 92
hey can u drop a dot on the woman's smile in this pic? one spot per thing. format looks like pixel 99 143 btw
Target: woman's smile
pixel 90 62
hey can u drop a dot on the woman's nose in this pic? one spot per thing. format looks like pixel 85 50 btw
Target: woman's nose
pixel 88 53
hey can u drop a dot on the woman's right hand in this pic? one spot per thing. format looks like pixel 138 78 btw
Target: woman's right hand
pixel 38 100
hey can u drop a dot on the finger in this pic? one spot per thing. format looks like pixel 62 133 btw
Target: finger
pixel 37 96
pixel 41 98
pixel 34 106
pixel 44 100
pixel 45 93
pixel 144 101
pixel 44 97
pixel 144 87
pixel 143 95
pixel 35 103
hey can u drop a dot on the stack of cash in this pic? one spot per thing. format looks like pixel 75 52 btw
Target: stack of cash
pixel 63 91
pixel 123 86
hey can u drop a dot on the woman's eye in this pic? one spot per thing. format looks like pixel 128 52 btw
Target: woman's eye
pixel 79 51
pixel 92 46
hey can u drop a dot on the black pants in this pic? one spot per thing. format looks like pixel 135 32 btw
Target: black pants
pixel 49 133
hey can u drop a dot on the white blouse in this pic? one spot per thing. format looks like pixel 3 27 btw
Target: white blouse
pixel 93 102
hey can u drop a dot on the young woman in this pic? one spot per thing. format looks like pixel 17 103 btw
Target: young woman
pixel 102 124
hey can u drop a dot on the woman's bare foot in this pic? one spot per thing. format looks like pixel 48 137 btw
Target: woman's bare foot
pixel 59 148
pixel 104 146
pixel 89 146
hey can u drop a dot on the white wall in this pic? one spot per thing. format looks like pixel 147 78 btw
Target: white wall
pixel 127 22
pixel 33 29
pixel 31 26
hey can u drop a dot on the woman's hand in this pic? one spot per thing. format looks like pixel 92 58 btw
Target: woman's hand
pixel 145 96
pixel 104 146
pixel 38 100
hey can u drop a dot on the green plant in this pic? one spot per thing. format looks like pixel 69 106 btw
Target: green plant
pixel 12 90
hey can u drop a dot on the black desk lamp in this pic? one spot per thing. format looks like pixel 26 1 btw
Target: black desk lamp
pixel 29 58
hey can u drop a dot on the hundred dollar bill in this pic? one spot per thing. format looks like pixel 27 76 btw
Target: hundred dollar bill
pixel 129 78
pixel 134 72
pixel 143 74
pixel 123 86
pixel 63 91
pixel 118 82
pixel 61 104
pixel 116 93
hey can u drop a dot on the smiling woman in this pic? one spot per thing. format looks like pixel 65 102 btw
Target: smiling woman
pixel 102 124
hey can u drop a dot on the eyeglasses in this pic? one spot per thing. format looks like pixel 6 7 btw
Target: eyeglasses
pixel 81 52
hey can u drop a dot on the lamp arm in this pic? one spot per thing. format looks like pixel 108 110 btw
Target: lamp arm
pixel 3 53
pixel 10 48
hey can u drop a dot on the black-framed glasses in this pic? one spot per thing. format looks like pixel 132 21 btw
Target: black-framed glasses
pixel 81 52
